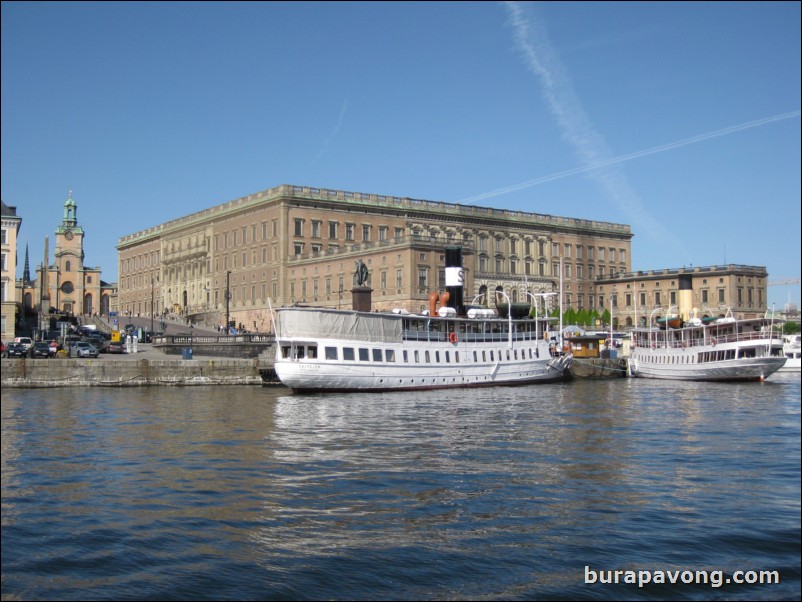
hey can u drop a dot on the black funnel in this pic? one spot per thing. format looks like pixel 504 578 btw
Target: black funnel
pixel 455 279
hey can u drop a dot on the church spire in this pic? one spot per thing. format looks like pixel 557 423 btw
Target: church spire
pixel 26 271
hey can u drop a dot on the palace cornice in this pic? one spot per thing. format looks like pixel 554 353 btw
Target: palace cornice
pixel 731 268
pixel 374 203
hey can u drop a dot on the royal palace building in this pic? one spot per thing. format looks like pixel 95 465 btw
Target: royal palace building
pixel 299 245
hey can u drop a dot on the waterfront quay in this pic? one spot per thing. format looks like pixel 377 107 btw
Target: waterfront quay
pixel 147 367
pixel 168 361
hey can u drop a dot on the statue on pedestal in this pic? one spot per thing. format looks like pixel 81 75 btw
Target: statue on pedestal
pixel 361 275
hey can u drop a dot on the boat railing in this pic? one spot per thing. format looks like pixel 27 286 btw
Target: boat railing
pixel 710 339
pixel 470 337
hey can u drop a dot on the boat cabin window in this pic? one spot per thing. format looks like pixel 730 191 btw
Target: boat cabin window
pixel 364 354
pixel 348 354
pixel 331 353
pixel 389 355
pixel 377 355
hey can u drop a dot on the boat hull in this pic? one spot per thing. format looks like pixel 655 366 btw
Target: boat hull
pixel 753 370
pixel 306 376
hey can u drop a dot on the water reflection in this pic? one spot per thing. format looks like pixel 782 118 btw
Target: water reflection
pixel 253 493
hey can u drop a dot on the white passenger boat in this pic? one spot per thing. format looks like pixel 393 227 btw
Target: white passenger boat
pixel 720 349
pixel 724 350
pixel 320 349
pixel 791 350
pixel 342 350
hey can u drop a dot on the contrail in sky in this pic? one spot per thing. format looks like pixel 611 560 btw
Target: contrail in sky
pixel 531 40
pixel 334 132
pixel 595 156
pixel 636 155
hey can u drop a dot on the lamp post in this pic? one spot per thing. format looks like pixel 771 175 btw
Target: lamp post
pixel 651 321
pixel 152 309
pixel 534 301
pixel 509 315
pixel 228 300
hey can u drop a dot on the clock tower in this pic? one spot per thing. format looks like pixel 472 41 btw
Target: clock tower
pixel 67 287
pixel 73 287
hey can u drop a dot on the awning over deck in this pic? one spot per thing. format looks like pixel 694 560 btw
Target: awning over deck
pixel 333 324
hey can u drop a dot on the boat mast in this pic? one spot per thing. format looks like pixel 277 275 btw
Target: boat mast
pixel 561 302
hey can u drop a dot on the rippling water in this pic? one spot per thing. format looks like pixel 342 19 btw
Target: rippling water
pixel 510 493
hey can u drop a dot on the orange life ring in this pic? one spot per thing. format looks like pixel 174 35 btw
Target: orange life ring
pixel 453 337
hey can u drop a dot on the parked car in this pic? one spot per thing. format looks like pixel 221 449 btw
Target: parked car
pixel 41 349
pixel 116 347
pixel 83 349
pixel 16 350
pixel 98 341
pixel 27 342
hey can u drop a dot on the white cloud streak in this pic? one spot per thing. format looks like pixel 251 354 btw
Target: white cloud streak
pixel 635 155
pixel 532 42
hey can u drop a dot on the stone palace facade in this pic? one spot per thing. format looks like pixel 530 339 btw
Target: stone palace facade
pixel 297 244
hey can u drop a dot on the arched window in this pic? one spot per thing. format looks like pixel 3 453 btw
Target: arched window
pixel 68 267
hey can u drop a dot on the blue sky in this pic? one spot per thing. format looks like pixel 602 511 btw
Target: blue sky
pixel 679 119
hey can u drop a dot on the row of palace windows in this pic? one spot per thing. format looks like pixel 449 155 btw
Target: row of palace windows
pixel 512 244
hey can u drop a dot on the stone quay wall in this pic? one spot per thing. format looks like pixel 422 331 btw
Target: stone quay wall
pixel 105 371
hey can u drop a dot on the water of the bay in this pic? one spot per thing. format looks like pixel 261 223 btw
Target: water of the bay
pixel 523 493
